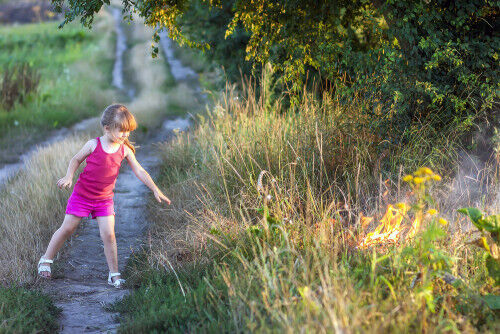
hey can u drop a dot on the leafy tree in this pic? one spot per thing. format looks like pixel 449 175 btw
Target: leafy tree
pixel 206 24
pixel 431 60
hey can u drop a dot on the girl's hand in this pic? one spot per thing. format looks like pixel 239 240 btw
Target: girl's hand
pixel 65 182
pixel 159 197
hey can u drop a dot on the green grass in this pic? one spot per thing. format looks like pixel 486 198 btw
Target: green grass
pixel 158 302
pixel 27 311
pixel 74 66
pixel 281 254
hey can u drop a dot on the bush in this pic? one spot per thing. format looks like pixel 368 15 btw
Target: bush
pixel 17 83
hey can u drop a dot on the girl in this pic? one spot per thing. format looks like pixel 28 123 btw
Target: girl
pixel 93 192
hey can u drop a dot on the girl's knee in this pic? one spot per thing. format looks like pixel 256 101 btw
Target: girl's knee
pixel 67 230
pixel 108 236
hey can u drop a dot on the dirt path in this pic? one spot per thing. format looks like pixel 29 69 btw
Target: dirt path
pixel 79 283
pixel 79 286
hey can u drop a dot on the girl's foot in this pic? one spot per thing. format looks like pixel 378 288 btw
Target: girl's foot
pixel 115 280
pixel 44 267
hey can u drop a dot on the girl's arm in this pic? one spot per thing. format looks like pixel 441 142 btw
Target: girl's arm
pixel 67 180
pixel 144 176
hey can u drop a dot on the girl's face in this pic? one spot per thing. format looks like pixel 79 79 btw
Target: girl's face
pixel 116 135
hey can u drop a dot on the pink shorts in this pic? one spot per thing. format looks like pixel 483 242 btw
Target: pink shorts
pixel 82 207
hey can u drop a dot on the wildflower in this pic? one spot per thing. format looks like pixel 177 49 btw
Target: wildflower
pixel 436 177
pixel 443 221
pixel 408 178
pixel 425 170
pixel 418 180
pixel 269 197
pixel 401 206
pixel 432 212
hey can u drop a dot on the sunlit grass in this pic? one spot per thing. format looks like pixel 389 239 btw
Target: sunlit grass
pixel 32 209
pixel 264 228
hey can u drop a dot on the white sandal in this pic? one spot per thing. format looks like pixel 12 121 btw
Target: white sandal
pixel 43 267
pixel 118 282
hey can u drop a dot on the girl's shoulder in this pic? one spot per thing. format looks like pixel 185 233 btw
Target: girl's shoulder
pixel 127 151
pixel 91 144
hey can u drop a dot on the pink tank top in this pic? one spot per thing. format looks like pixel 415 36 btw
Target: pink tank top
pixel 98 178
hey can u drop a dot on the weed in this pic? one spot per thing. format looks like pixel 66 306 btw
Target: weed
pixel 17 83
pixel 271 200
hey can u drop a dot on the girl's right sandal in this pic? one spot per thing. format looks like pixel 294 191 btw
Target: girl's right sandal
pixel 44 267
pixel 118 282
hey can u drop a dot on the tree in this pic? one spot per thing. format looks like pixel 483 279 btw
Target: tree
pixel 425 57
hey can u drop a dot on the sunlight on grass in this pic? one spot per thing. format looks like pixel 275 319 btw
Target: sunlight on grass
pixel 265 227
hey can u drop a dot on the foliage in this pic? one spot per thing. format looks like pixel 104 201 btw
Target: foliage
pixel 266 205
pixel 205 24
pixel 434 61
pixel 489 242
pixel 17 83
pixel 424 254
pixel 25 311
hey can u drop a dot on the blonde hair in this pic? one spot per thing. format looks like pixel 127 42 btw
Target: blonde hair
pixel 117 116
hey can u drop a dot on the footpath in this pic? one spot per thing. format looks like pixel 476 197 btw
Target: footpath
pixel 79 285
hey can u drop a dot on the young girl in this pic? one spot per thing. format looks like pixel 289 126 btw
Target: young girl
pixel 93 192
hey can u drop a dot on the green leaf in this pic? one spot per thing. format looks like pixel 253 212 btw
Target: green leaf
pixel 255 230
pixel 272 220
pixel 493 301
pixel 492 223
pixel 214 231
pixel 493 269
pixel 474 214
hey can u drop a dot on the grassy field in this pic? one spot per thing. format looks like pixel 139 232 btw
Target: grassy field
pixel 33 207
pixel 269 222
pixel 68 70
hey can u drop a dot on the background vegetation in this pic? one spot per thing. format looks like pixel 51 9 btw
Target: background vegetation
pixel 273 186
pixel 50 79
pixel 266 227
pixel 434 61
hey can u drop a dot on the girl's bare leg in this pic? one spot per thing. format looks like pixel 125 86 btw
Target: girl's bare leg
pixel 107 232
pixel 67 228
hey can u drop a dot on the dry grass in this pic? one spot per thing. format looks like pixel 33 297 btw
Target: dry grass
pixel 149 76
pixel 297 267
pixel 32 209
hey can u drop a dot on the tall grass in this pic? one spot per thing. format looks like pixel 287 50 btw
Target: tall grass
pixel 32 209
pixel 265 224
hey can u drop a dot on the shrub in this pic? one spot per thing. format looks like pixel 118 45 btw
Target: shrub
pixel 17 83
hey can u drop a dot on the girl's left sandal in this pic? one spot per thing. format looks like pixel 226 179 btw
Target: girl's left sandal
pixel 44 267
